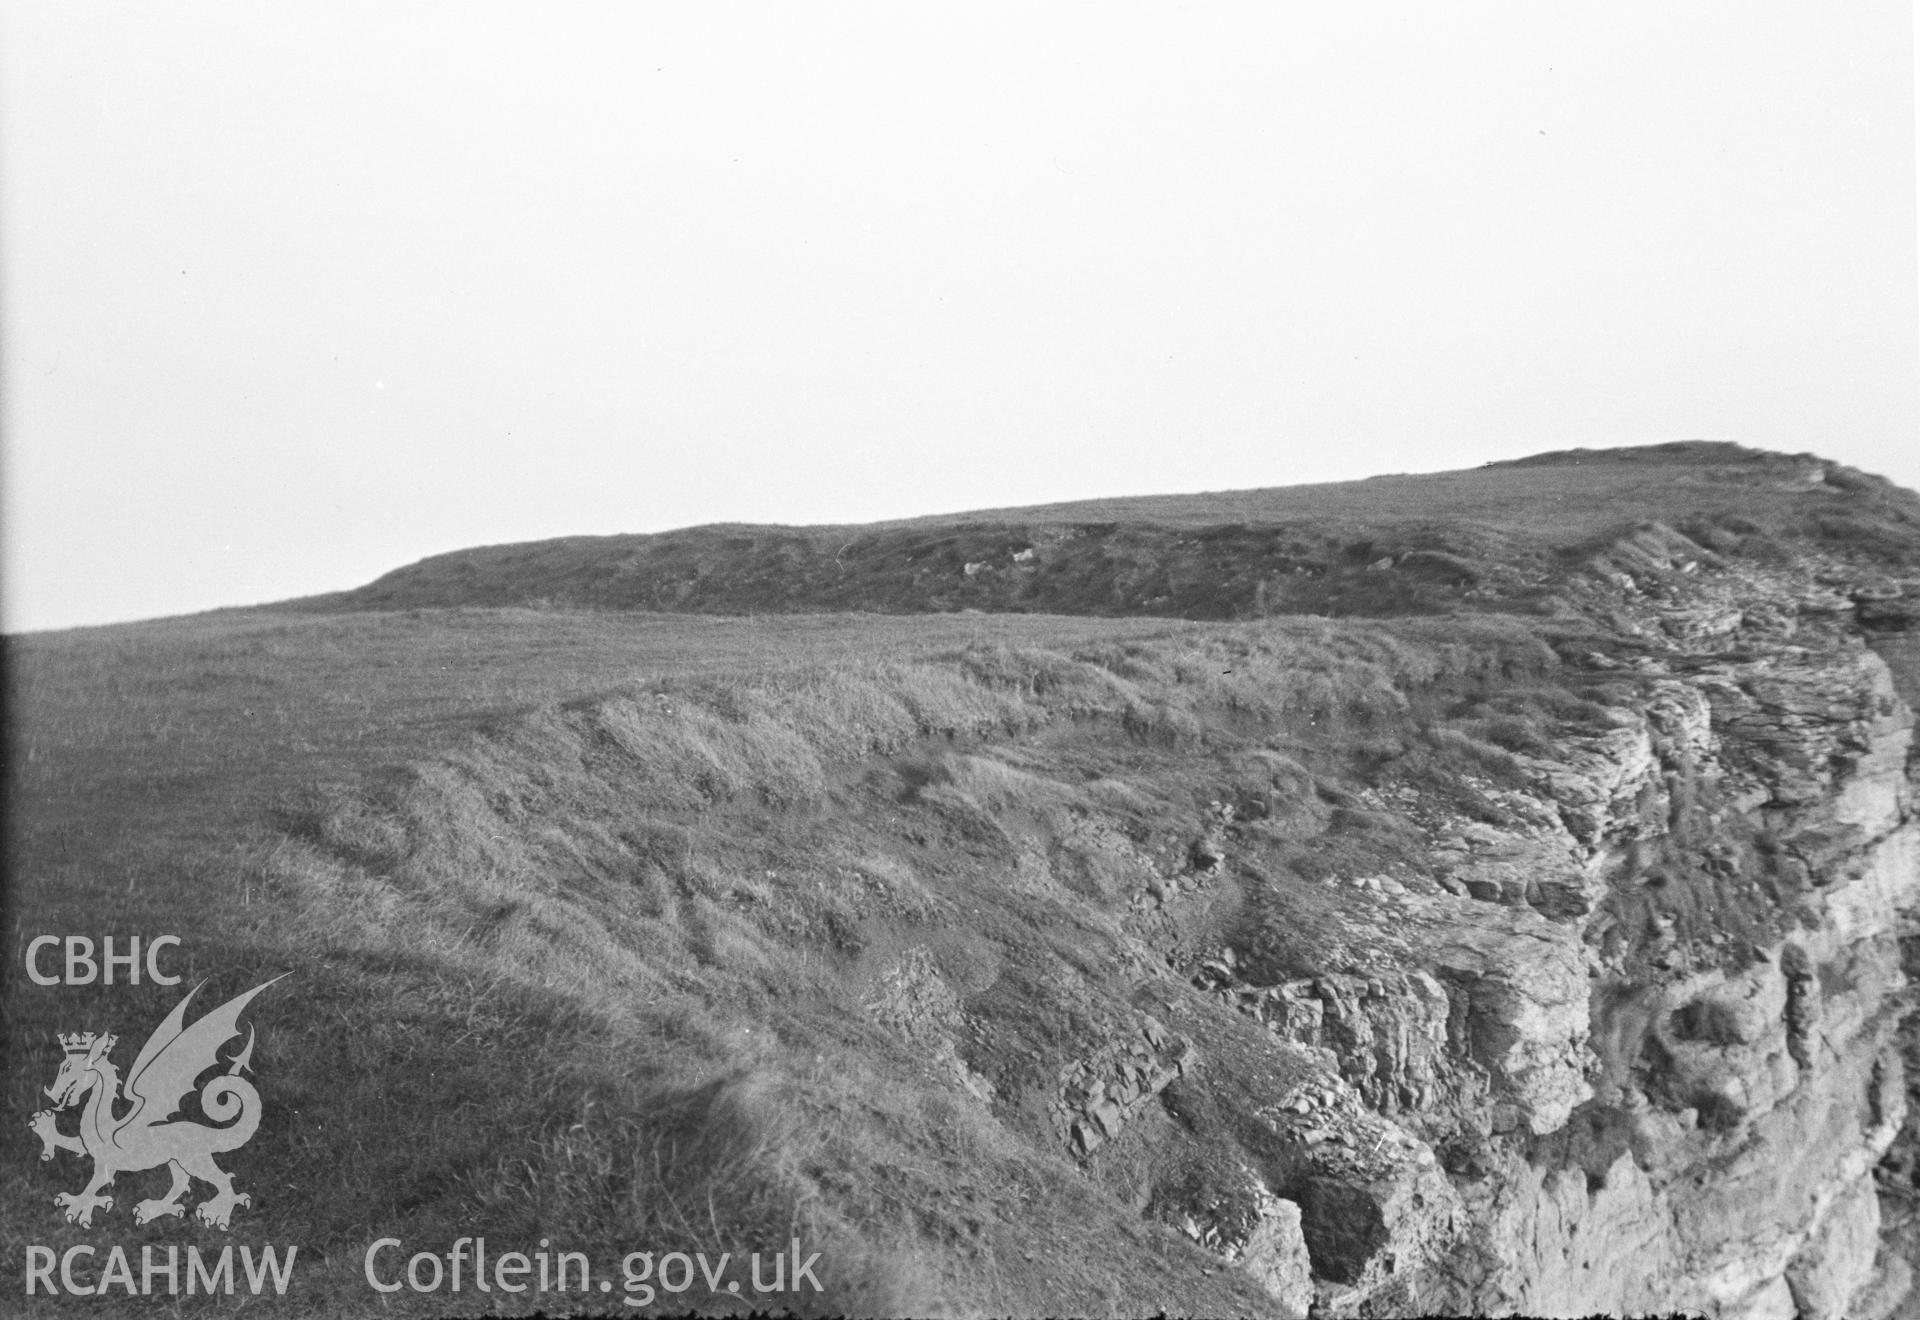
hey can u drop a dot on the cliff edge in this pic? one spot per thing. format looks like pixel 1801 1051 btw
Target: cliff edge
pixel 1542 949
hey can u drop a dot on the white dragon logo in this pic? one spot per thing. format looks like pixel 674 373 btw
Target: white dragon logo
pixel 143 1138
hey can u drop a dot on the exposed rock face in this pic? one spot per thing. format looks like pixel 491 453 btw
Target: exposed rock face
pixel 1497 1016
pixel 1098 1094
pixel 1634 1048
pixel 1769 1090
pixel 1275 1253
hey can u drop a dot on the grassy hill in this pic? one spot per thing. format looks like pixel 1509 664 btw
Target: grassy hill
pixel 1505 537
pixel 624 924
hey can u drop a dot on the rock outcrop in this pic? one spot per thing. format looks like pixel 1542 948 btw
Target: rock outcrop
pixel 1665 1027
pixel 1627 1037
pixel 1099 1093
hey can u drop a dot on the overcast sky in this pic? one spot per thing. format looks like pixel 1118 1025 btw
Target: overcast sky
pixel 295 294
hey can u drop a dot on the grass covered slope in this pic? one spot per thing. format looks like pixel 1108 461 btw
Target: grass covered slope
pixel 1506 536
pixel 708 962
pixel 148 763
pixel 973 951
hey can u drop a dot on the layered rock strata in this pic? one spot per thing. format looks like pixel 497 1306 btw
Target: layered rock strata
pixel 1635 1049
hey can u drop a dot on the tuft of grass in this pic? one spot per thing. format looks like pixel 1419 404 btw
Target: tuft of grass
pixel 1461 746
